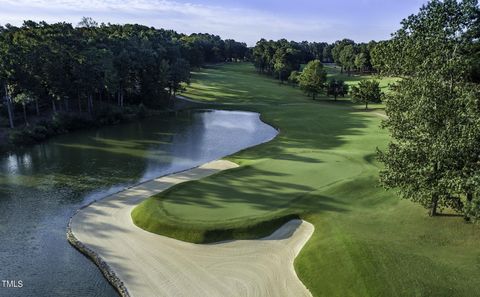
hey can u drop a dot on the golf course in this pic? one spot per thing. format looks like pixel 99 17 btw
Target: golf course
pixel 321 168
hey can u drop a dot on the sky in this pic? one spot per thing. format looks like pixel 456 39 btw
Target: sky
pixel 247 20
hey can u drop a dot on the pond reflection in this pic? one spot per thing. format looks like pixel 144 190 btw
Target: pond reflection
pixel 42 186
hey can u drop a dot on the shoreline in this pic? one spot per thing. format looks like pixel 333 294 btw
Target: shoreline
pixel 102 265
pixel 110 274
pixel 84 235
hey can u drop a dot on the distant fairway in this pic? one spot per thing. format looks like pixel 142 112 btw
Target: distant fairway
pixel 321 167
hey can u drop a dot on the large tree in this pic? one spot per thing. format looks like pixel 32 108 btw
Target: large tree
pixel 366 91
pixel 434 111
pixel 337 87
pixel 179 73
pixel 347 57
pixel 337 50
pixel 312 79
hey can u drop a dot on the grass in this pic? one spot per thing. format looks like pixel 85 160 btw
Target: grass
pixel 333 72
pixel 322 168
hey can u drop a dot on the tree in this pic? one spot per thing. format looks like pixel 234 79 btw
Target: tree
pixel 366 91
pixel 179 72
pixel 280 64
pixel 312 79
pixel 327 54
pixel 87 22
pixel 293 79
pixel 24 99
pixel 337 88
pixel 338 49
pixel 361 61
pixel 378 54
pixel 6 73
pixel 8 103
pixel 433 112
pixel 279 58
pixel 347 57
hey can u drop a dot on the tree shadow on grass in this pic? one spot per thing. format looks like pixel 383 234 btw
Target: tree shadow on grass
pixel 261 192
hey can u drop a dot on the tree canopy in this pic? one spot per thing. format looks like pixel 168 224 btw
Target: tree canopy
pixel 366 91
pixel 434 110
pixel 336 87
pixel 312 79
pixel 62 67
pixel 280 58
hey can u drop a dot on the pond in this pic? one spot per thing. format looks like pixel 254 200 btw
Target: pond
pixel 41 187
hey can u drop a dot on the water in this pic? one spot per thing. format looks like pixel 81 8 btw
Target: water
pixel 42 186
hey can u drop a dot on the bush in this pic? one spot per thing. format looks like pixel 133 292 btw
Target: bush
pixel 40 133
pixel 71 122
pixel 109 115
pixel 21 137
pixel 65 122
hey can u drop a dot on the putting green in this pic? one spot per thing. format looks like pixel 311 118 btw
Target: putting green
pixel 321 167
pixel 288 186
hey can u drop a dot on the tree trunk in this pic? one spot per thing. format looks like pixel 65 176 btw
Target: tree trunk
pixel 67 109
pixel 37 109
pixel 90 104
pixel 9 107
pixel 174 97
pixel 54 107
pixel 366 105
pixel 434 205
pixel 469 201
pixel 469 197
pixel 25 113
pixel 79 104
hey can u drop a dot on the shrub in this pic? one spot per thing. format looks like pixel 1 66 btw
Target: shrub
pixel 21 137
pixel 39 133
pixel 109 116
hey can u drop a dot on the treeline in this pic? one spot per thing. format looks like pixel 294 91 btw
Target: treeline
pixel 355 57
pixel 50 68
pixel 280 58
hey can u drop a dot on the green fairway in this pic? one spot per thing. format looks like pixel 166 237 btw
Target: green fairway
pixel 322 168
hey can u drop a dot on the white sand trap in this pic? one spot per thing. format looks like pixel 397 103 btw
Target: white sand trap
pixel 153 265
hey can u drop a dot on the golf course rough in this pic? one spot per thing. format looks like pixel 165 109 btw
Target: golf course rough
pixel 322 169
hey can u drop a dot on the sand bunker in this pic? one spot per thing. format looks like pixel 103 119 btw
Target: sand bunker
pixel 152 265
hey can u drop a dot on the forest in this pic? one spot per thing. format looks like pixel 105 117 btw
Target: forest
pixel 280 58
pixel 58 77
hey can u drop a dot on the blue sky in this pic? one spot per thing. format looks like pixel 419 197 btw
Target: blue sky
pixel 248 20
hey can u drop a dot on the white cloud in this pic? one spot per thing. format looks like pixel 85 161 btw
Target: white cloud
pixel 242 24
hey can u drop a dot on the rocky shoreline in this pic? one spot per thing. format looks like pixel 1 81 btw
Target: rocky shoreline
pixel 106 270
